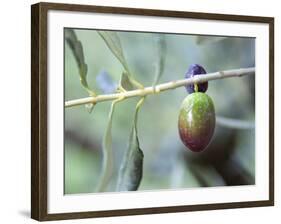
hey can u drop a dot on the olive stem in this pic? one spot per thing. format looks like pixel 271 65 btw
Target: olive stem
pixel 162 87
pixel 196 87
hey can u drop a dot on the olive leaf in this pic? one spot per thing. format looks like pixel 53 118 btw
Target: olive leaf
pixel 161 57
pixel 130 173
pixel 113 42
pixel 77 50
pixel 125 82
pixel 107 163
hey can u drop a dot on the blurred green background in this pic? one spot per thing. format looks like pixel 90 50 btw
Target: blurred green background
pixel 228 160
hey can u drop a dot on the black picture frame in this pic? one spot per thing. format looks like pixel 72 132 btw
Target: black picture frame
pixel 39 106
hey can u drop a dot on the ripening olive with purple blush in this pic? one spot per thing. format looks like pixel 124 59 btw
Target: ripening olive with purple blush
pixel 197 121
pixel 193 70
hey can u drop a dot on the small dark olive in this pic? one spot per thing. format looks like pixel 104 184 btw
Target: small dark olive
pixel 193 70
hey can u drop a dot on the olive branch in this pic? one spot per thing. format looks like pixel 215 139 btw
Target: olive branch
pixel 162 87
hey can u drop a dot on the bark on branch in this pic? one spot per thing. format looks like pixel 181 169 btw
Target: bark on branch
pixel 162 87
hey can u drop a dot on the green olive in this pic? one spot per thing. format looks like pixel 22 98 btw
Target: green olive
pixel 197 121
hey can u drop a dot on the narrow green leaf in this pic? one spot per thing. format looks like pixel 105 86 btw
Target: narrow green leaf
pixel 113 42
pixel 130 173
pixel 161 57
pixel 75 46
pixel 83 74
pixel 125 82
pixel 77 50
pixel 107 163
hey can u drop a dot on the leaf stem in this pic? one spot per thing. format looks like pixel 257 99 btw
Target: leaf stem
pixel 163 87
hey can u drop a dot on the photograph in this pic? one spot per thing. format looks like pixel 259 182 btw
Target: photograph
pixel 152 111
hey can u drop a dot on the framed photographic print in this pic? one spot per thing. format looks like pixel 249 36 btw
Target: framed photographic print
pixel 140 111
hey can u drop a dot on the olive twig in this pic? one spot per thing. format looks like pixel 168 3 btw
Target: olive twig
pixel 162 87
